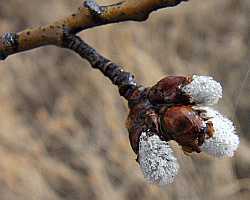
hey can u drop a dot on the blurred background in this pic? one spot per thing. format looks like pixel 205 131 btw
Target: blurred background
pixel 62 124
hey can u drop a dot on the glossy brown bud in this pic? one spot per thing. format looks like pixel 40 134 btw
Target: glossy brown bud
pixel 168 90
pixel 140 119
pixel 184 125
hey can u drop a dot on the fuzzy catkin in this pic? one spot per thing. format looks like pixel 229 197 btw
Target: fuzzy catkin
pixel 224 141
pixel 203 90
pixel 157 162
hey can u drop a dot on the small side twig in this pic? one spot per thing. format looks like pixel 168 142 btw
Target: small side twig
pixel 124 80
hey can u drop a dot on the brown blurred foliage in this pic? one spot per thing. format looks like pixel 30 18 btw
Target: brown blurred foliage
pixel 62 132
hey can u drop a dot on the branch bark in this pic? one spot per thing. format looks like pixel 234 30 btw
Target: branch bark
pixel 88 15
pixel 123 80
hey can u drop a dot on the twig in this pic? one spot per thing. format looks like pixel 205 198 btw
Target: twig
pixel 124 80
pixel 90 14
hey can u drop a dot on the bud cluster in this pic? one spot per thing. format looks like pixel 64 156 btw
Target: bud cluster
pixel 176 108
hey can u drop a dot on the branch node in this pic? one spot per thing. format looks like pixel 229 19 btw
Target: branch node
pixel 10 41
pixel 95 10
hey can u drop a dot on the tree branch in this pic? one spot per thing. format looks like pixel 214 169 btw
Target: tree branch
pixel 90 14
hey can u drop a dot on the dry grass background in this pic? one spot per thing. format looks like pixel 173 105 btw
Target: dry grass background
pixel 62 132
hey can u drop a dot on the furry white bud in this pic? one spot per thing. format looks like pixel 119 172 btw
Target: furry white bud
pixel 224 141
pixel 203 90
pixel 157 162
